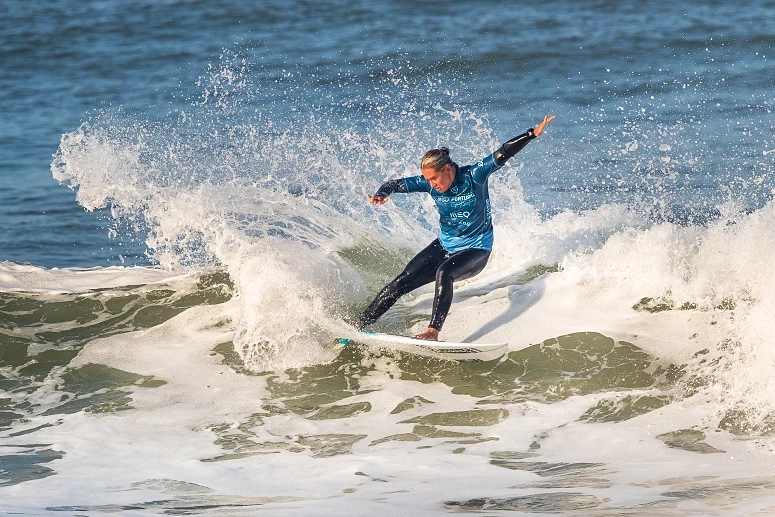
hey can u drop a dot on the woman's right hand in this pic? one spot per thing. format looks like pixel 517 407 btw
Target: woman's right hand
pixel 377 199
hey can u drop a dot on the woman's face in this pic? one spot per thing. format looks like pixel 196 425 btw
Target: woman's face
pixel 441 179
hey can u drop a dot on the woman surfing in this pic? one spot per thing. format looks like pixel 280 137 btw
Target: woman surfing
pixel 465 235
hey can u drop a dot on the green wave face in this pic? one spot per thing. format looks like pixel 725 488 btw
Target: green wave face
pixel 40 334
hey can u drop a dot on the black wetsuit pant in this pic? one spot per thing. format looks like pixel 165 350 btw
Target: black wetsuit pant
pixel 434 263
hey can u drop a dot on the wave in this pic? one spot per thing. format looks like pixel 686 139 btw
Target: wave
pixel 277 199
pixel 272 198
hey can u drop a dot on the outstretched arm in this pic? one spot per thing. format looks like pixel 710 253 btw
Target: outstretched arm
pixel 387 188
pixel 516 144
pixel 540 127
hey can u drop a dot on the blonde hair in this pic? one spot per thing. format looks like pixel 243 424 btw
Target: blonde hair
pixel 435 159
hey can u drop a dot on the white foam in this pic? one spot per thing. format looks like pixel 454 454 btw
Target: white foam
pixel 154 452
pixel 29 278
pixel 277 229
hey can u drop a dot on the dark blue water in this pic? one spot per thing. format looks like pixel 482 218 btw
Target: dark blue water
pixel 662 107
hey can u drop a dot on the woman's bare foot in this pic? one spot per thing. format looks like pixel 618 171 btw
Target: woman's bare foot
pixel 431 334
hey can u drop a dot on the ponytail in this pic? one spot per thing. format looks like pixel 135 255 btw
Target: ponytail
pixel 436 159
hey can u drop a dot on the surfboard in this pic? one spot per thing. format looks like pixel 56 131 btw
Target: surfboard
pixel 439 349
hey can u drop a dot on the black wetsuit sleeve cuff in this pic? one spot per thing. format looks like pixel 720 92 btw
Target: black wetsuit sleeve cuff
pixel 391 187
pixel 513 146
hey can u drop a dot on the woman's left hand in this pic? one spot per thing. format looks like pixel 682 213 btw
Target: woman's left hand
pixel 540 127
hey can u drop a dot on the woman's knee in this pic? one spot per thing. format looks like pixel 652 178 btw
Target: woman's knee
pixel 445 275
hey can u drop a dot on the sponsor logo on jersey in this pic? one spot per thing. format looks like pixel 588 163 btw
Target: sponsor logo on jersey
pixel 457 199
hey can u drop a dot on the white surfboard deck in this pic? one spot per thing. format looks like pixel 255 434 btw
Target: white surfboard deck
pixel 439 349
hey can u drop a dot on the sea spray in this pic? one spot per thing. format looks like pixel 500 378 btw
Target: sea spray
pixel 273 196
pixel 270 183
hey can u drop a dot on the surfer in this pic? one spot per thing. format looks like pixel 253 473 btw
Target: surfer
pixel 465 237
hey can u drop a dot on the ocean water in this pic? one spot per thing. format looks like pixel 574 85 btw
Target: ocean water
pixel 168 323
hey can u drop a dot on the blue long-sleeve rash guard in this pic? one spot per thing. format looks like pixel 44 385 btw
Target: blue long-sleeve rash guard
pixel 464 209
